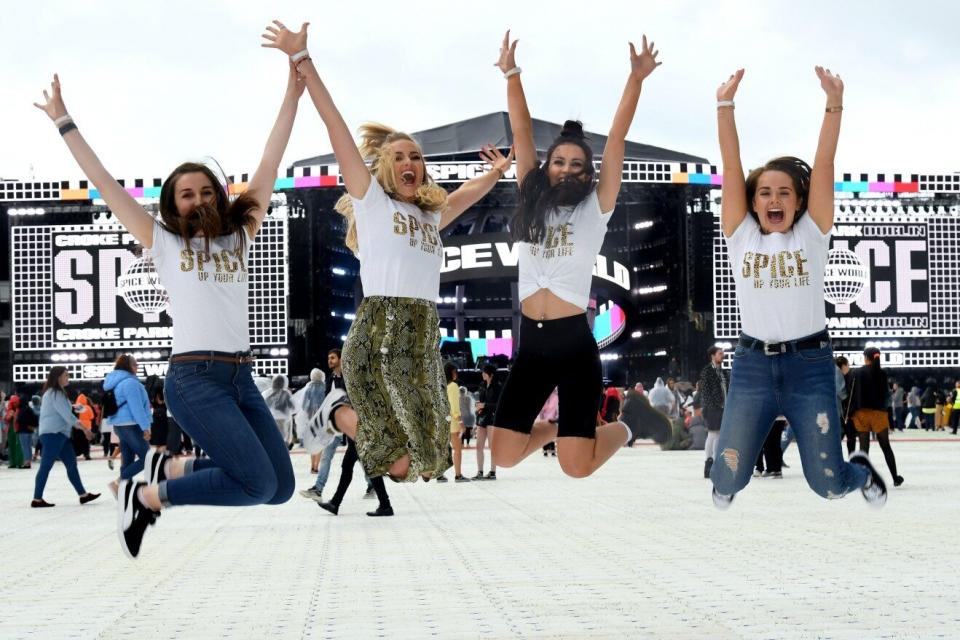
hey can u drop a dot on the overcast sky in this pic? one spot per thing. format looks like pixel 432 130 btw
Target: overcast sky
pixel 153 84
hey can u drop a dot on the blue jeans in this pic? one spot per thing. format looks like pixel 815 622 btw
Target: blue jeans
pixel 57 446
pixel 26 444
pixel 133 448
pixel 800 386
pixel 218 405
pixel 787 437
pixel 326 457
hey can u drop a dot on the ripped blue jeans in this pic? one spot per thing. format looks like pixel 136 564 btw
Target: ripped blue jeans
pixel 800 386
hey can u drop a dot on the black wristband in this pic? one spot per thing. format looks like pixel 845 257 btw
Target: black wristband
pixel 70 126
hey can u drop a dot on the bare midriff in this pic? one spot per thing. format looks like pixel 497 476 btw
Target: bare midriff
pixel 545 305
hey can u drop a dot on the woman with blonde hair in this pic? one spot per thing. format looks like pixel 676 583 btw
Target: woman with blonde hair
pixel 391 358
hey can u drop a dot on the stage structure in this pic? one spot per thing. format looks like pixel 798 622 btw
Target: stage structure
pixel 641 278
pixel 80 292
pixel 892 271
pixel 83 291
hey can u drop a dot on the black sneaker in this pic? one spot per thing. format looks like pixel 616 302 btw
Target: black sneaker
pixel 381 511
pixel 897 481
pixel 492 475
pixel 707 464
pixel 133 517
pixel 721 501
pixel 442 479
pixel 479 475
pixel 334 400
pixel 329 506
pixel 461 479
pixel 154 466
pixel 875 491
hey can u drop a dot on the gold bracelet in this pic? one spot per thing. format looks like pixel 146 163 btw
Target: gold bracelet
pixel 834 109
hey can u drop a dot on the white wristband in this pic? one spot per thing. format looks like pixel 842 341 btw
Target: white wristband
pixel 299 55
pixel 512 72
pixel 724 103
pixel 62 120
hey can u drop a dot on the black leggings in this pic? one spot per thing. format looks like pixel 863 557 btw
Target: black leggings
pixel 771 449
pixel 350 459
pixel 883 438
pixel 558 353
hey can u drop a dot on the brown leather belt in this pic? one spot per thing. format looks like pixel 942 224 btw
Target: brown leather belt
pixel 247 359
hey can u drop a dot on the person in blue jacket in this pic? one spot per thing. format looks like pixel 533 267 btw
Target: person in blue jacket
pixel 133 418
pixel 56 420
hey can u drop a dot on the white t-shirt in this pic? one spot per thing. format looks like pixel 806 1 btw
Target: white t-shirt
pixel 563 262
pixel 400 248
pixel 208 291
pixel 779 279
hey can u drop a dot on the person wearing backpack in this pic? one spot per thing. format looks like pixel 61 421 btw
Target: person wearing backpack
pixel 132 418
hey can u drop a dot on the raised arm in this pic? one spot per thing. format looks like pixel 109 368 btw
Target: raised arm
pixel 131 215
pixel 733 207
pixel 611 166
pixel 470 192
pixel 356 175
pixel 261 184
pixel 820 206
pixel 520 122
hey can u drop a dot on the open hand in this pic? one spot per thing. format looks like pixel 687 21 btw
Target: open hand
pixel 53 105
pixel 507 59
pixel 729 88
pixel 643 64
pixel 831 83
pixel 495 159
pixel 280 37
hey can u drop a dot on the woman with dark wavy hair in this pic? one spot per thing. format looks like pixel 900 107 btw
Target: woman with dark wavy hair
pixel 777 225
pixel 560 224
pixel 201 246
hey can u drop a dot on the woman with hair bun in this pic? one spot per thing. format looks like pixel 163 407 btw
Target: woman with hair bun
pixel 391 358
pixel 777 225
pixel 560 223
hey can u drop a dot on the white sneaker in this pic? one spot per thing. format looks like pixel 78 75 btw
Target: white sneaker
pixel 324 415
pixel 722 501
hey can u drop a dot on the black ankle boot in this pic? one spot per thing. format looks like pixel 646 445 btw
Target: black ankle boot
pixel 381 511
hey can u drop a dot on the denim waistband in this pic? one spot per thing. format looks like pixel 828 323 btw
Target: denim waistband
pixel 212 355
pixel 814 341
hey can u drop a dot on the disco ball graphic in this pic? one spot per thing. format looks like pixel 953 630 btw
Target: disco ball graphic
pixel 141 289
pixel 845 277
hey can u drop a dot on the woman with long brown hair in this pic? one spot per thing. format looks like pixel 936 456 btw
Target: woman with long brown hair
pixel 56 421
pixel 200 247
pixel 560 224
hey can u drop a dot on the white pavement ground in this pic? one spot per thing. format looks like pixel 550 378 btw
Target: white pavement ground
pixel 638 551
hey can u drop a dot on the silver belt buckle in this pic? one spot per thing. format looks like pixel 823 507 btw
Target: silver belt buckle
pixel 772 349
